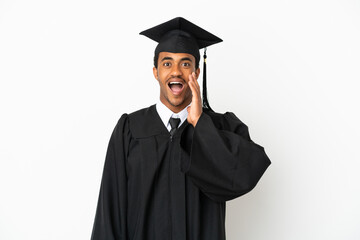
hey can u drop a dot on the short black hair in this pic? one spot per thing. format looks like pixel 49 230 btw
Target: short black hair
pixel 156 58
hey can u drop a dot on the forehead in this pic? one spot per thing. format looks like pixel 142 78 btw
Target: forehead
pixel 176 56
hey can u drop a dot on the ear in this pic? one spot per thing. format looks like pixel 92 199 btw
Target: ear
pixel 197 73
pixel 155 72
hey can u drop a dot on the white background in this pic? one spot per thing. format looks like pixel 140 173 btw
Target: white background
pixel 288 69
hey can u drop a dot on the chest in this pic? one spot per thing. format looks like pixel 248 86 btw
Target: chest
pixel 152 157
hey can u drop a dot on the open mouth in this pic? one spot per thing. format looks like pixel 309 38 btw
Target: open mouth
pixel 176 87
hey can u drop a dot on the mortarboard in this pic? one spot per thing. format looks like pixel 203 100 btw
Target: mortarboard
pixel 181 36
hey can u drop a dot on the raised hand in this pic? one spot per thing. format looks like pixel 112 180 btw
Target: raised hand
pixel 195 110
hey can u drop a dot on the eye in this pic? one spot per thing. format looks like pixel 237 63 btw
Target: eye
pixel 166 64
pixel 186 64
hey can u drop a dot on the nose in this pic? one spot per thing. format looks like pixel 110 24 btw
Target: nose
pixel 176 71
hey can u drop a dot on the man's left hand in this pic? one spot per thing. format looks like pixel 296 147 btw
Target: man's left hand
pixel 195 110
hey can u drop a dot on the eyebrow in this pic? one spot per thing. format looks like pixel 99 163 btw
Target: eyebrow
pixel 166 58
pixel 186 59
pixel 170 58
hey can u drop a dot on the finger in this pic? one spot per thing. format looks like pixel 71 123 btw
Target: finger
pixel 195 94
pixel 191 77
pixel 194 76
pixel 191 84
pixel 196 83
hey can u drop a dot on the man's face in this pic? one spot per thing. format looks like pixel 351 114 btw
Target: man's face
pixel 172 74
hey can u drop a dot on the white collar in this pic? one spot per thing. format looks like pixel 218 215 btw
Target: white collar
pixel 165 114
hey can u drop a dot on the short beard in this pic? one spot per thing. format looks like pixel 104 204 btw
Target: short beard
pixel 174 105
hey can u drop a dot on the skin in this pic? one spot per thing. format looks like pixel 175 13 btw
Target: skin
pixel 179 67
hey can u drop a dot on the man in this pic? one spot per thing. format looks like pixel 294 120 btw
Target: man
pixel 170 168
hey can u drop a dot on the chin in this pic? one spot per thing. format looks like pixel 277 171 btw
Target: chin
pixel 176 102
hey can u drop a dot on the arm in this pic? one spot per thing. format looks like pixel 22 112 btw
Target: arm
pixel 218 154
pixel 222 160
pixel 110 219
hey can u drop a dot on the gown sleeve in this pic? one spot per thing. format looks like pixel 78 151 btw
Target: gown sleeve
pixel 110 218
pixel 220 158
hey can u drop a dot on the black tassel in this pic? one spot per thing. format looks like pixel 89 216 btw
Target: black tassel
pixel 205 100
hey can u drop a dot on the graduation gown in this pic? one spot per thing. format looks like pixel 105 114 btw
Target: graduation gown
pixel 157 187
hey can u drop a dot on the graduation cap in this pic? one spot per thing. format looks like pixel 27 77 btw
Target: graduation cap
pixel 181 36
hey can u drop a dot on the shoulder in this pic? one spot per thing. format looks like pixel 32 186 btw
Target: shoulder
pixel 135 116
pixel 141 113
pixel 228 121
pixel 223 119
pixel 130 125
pixel 123 121
pixel 144 122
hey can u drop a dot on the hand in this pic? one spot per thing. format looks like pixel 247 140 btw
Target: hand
pixel 195 110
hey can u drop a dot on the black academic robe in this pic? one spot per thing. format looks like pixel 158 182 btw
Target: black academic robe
pixel 155 187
